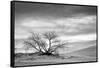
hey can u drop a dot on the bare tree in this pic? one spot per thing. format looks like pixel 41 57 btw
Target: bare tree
pixel 37 42
pixel 50 36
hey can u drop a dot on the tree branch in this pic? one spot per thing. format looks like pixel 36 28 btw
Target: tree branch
pixel 26 42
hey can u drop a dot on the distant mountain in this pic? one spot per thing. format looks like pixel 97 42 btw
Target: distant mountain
pixel 90 51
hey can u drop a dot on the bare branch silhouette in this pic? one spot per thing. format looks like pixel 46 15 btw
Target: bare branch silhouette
pixel 50 36
pixel 37 42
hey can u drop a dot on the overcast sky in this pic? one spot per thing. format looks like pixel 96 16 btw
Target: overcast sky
pixel 72 23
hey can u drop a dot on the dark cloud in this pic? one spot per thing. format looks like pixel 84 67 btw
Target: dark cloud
pixel 51 10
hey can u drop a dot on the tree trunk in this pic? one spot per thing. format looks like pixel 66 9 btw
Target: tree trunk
pixel 49 45
pixel 47 53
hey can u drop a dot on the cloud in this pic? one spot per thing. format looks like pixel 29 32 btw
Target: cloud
pixel 79 38
pixel 63 26
pixel 77 21
pixel 51 10
pixel 37 23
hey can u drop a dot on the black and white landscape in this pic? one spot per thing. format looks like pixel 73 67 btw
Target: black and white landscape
pixel 52 33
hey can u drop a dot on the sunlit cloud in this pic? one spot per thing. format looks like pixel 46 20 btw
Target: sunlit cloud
pixel 79 38
pixel 66 26
pixel 37 23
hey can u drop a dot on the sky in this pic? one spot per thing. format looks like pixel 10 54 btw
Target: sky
pixel 73 23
